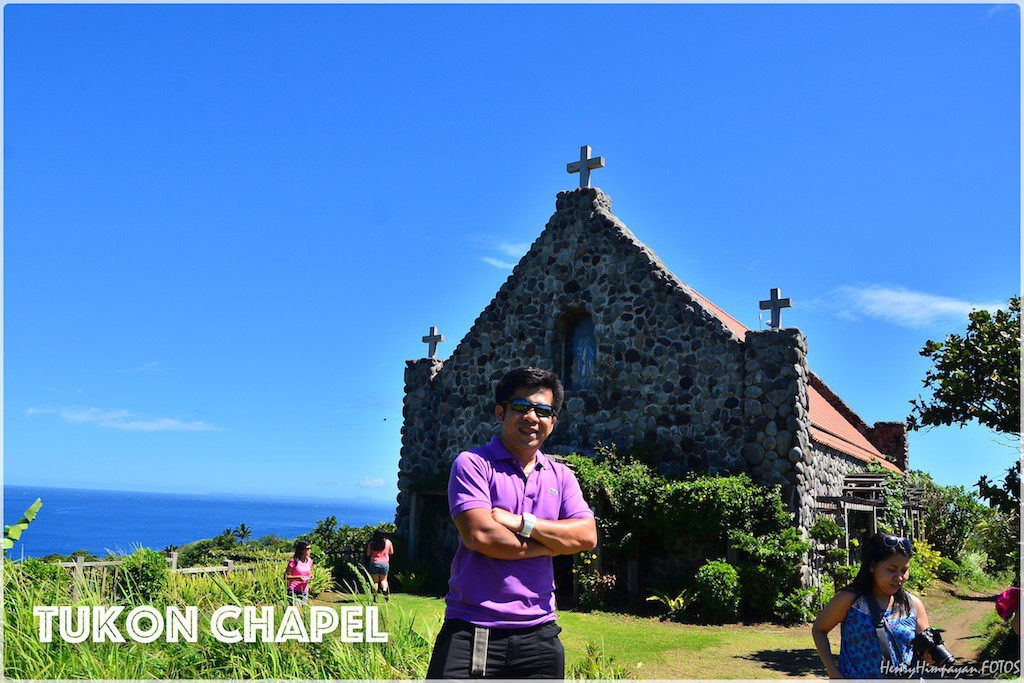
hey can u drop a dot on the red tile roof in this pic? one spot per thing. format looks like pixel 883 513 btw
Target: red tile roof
pixel 828 426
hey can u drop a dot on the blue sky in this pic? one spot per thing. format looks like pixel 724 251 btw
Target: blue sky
pixel 227 227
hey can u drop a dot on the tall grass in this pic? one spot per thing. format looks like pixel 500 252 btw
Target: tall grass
pixel 404 656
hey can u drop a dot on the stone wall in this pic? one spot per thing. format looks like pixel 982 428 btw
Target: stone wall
pixel 777 419
pixel 417 463
pixel 826 468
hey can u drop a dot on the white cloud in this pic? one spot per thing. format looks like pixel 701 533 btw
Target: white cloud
pixel 164 424
pixel 513 248
pixel 503 247
pixel 897 305
pixel 93 415
pixel 494 243
pixel 39 411
pixel 124 420
pixel 497 264
pixel 369 483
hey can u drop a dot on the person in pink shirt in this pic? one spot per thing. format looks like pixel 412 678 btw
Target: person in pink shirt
pixel 1008 607
pixel 379 550
pixel 298 574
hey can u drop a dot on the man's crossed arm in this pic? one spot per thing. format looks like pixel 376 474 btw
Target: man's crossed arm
pixel 494 533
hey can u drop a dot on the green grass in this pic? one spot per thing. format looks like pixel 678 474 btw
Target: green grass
pixel 597 644
pixel 646 648
pixel 25 657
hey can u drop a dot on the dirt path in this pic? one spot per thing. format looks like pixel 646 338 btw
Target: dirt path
pixel 961 617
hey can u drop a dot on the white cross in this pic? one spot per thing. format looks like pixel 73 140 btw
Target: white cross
pixel 584 165
pixel 432 339
pixel 776 305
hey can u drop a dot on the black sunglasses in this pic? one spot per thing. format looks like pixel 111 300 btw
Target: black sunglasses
pixel 903 543
pixel 522 406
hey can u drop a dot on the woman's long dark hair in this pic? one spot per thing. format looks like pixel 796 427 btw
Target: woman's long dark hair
pixel 299 547
pixel 880 548
pixel 377 540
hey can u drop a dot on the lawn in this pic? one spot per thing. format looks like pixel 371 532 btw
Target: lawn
pixel 648 648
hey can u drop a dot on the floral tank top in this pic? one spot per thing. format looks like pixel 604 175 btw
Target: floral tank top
pixel 858 650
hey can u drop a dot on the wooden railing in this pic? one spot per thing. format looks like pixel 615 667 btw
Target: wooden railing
pixel 79 566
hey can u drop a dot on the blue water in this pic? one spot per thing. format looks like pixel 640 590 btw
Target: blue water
pixel 118 521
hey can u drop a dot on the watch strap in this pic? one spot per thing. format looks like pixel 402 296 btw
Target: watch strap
pixel 529 521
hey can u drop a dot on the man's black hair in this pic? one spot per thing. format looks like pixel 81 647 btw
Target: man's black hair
pixel 529 378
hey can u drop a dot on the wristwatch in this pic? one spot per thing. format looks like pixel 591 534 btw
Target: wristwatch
pixel 528 522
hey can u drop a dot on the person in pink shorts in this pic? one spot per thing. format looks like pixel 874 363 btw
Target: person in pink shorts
pixel 379 550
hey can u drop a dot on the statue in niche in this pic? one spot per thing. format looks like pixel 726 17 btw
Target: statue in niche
pixel 582 354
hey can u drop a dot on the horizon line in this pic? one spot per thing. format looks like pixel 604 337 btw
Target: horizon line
pixel 209 493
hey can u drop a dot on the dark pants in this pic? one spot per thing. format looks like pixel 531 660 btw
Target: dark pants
pixel 463 650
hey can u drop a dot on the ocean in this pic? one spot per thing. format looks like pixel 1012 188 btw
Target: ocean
pixel 119 521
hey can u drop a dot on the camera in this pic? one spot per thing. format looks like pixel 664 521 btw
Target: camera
pixel 929 642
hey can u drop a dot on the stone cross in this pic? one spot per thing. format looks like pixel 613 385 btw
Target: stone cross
pixel 432 339
pixel 776 305
pixel 584 165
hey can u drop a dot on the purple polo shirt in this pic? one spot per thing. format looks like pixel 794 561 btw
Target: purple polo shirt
pixel 507 593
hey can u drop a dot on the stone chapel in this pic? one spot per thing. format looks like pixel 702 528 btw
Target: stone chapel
pixel 647 362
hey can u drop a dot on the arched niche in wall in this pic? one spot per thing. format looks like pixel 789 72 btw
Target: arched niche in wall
pixel 578 350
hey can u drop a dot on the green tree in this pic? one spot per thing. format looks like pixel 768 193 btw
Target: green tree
pixel 951 516
pixel 225 540
pixel 975 376
pixel 243 533
pixel 1000 535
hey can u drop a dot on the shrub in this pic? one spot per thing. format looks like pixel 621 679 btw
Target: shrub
pixel 322 580
pixel 42 570
pixel 843 575
pixel 834 557
pixel 924 568
pixel 637 508
pixel 413 581
pixel 196 554
pixel 826 531
pixel 796 607
pixel 596 665
pixel 675 605
pixel 718 591
pixel 972 573
pixel 825 592
pixel 592 587
pixel 769 566
pixel 142 578
pixel 948 570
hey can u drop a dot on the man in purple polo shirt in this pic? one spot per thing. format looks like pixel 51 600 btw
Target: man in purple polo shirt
pixel 515 509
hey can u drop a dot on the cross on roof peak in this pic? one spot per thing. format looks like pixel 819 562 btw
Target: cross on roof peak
pixel 585 165
pixel 432 341
pixel 776 304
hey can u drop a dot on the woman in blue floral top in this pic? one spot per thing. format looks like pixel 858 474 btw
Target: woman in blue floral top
pixel 884 569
